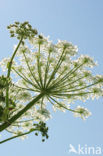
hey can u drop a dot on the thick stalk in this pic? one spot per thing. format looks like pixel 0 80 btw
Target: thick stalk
pixel 20 113
pixel 9 71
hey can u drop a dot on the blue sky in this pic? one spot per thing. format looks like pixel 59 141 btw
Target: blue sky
pixel 80 22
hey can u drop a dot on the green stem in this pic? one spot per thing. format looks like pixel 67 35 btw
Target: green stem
pixel 56 68
pixel 73 90
pixel 31 71
pixel 58 78
pixel 76 94
pixel 21 112
pixel 9 71
pixel 68 84
pixel 30 89
pixel 17 136
pixel 24 121
pixel 62 80
pixel 47 69
pixel 25 78
pixel 39 67
pixel 60 104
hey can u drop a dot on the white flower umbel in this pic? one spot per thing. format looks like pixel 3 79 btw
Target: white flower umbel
pixel 48 73
pixel 41 70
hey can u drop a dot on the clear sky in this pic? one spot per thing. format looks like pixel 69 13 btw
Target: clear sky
pixel 78 21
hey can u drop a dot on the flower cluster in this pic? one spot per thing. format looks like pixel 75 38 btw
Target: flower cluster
pixel 82 112
pixel 22 30
pixel 50 71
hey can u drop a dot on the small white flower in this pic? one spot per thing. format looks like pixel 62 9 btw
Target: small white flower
pixel 82 112
pixel 4 64
pixel 40 40
pixel 24 96
pixel 27 125
pixel 87 61
pixel 43 114
pixel 23 137
pixel 68 47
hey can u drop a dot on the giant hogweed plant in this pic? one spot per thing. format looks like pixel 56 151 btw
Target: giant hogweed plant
pixel 40 73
